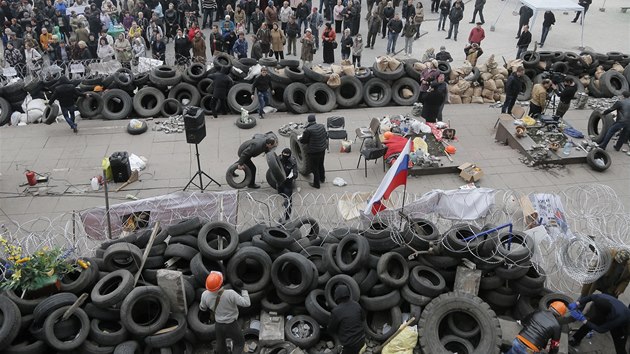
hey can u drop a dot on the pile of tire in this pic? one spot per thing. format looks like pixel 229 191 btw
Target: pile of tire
pixel 292 270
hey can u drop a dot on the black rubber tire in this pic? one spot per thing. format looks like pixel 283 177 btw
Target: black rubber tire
pixel 291 63
pixel 229 177
pixel 185 91
pixel 11 321
pixel 405 83
pixel 442 262
pixel 519 255
pixel 294 96
pixel 247 234
pixel 393 270
pixel 171 337
pixel 104 314
pixel 320 98
pixel 388 75
pixel 130 253
pixel 277 237
pixel 612 83
pixel 77 340
pixel 205 104
pixel 5 112
pixel 456 344
pixel 348 261
pixel 380 303
pixel 490 281
pixel 112 289
pixel 312 75
pixel 547 299
pixel 246 258
pixel 148 101
pixel 295 74
pixel 107 333
pixel 196 71
pixel 297 263
pixel 377 93
pixel 137 131
pixel 502 297
pixel 355 291
pixel 156 298
pixel 426 281
pixel 185 226
pixel 299 152
pixel 394 319
pixel 275 166
pixel 51 303
pixel 90 106
pixel 117 104
pixel 444 67
pixel 626 73
pixel 205 86
pixel 171 107
pixel 222 61
pixel 179 250
pixel 302 320
pixel 444 305
pixel 560 67
pixel 85 279
pixel 50 113
pixel 596 118
pixel 33 346
pixel 200 322
pixel 598 154
pixel 595 89
pixel 414 298
pixel 277 96
pixel 240 96
pixel 217 229
pixel 454 240
pixel 530 59
pixel 526 89
pixel 411 72
pixel 242 125
pixel 164 71
pixel 350 92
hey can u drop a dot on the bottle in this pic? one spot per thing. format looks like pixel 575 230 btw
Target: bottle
pixel 94 183
pixel 566 151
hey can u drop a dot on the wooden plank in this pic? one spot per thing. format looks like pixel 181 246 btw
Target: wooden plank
pixel 156 227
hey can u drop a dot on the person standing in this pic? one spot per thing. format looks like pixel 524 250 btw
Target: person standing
pixel 455 16
pixel 440 86
pixel 539 98
pixel 199 48
pixel 285 14
pixel 409 31
pixel 445 9
pixel 329 43
pixel 523 41
pixel 277 41
pixel 524 13
pixel 388 15
pixel 357 49
pixel 308 47
pixel 606 314
pixel 224 303
pixel 262 89
pixel 208 6
pixel 566 94
pixel 346 44
pixel 418 18
pixel 408 10
pixel 338 15
pixel 182 47
pixel 240 47
pixel 314 21
pixel 316 139
pixel 285 189
pixel 477 34
pixel 250 149
pixel 215 39
pixel 257 19
pixel 264 36
pixel 271 14
pixel 221 84
pixel 623 122
pixel 479 4
pixel 435 6
pixel 67 94
pixel 615 281
pixel 346 321
pixel 585 4
pixel 394 27
pixel 292 32
pixel 443 55
pixel 539 328
pixel 549 21
pixel 374 25
pixel 301 14
pixel 512 89
pixel 432 100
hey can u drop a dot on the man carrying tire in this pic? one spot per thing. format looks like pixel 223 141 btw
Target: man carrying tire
pixel 224 303
pixel 316 139
pixel 346 321
pixel 251 149
pixel 538 329
pixel 67 94
pixel 262 89
pixel 623 122
pixel 285 189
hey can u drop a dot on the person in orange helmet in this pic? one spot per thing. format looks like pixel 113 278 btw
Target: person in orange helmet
pixel 539 328
pixel 224 303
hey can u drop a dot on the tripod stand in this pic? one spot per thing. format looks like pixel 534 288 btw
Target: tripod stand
pixel 200 173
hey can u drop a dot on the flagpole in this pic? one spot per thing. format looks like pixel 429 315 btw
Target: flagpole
pixel 402 208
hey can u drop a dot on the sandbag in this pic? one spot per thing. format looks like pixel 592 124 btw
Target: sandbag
pixel 393 64
pixel 466 100
pixel 587 59
pixel 499 84
pixel 406 93
pixel 487 93
pixel 617 67
pixel 419 66
pixel 496 96
pixel 454 90
pixel 454 99
pixel 489 85
pixel 477 99
pixel 503 71
pixel 318 69
pixel 542 65
pixel 463 85
pixel 453 75
pixel 336 69
pixel 599 72
pixel 477 91
pixel 488 100
pixel 468 93
pixel 499 77
pixel 348 70
pixel 382 63
pixel 486 76
pixel 334 80
pixel 345 62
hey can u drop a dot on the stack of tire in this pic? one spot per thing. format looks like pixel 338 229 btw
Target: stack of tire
pixel 290 269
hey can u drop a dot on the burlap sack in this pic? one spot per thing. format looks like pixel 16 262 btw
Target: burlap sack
pixel 477 99
pixel 496 97
pixel 494 71
pixel 502 97
pixel 434 63
pixel 348 70
pixel 499 77
pixel 477 91
pixel 499 83
pixel 617 67
pixel 334 81
pixel 381 63
pixel 503 71
pixel 406 93
pixel 454 90
pixel 587 59
pixel 345 62
pixel 486 76
pixel 599 72
pixel 318 69
pixel 336 69
pixel 542 65
pixel 466 68
pixel 500 90
pixel 466 100
pixel 489 85
pixel 393 64
pixel 488 100
pixel 463 85
pixel 453 75
pixel 454 99
pixel 468 92
pixel 419 66
pixel 515 64
pixel 482 68
pixel 487 93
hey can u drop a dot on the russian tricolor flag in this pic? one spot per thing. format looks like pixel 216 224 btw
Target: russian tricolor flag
pixel 395 177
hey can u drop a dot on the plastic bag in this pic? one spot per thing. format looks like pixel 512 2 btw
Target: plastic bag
pixel 137 162
pixel 346 146
pixel 109 175
pixel 339 182
pixel 253 72
pixel 403 343
pixel 135 123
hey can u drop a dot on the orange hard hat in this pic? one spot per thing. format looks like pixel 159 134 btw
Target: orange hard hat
pixel 214 281
pixel 388 135
pixel 450 149
pixel 558 307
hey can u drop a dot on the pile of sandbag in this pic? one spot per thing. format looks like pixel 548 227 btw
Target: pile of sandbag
pixel 482 84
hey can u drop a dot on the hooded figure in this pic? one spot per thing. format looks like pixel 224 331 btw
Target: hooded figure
pixel 346 320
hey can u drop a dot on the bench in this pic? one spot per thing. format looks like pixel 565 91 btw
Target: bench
pixel 625 9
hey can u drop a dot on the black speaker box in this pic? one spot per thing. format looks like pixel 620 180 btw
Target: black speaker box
pixel 195 125
pixel 121 169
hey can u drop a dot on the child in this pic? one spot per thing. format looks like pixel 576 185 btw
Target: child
pixel 357 48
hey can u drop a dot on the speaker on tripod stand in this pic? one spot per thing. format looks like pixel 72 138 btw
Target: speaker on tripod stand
pixel 195 127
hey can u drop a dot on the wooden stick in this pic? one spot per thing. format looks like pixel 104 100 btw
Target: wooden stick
pixel 400 329
pixel 146 252
pixel 74 306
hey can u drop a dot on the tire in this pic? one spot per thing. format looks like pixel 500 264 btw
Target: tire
pixel 316 306
pixel 78 338
pixel 442 262
pixel 363 74
pixel 388 75
pixel 414 298
pixel 239 97
pixel 444 67
pixel 107 333
pixel 229 177
pixel 560 66
pixel 291 63
pixel 275 166
pixel 594 130
pixel 148 102
pixel 171 107
pixel 277 96
pixel 277 237
pixel 348 261
pixel 502 297
pixel 185 93
pixel 164 71
pixel 547 299
pixel 50 113
pixel 294 96
pixel 295 74
pixel 165 82
pixel 526 89
pixel 426 281
pixel 85 279
pixel 530 59
pixel 350 92
pixel 89 106
pixel 205 87
pixel 222 62
pixel 217 229
pixel 51 304
pixel 34 346
pixel 104 314
pixel 446 304
pixel 117 104
pixel 455 240
pixel 304 322
pixel 380 303
pixel 411 72
pixel 312 75
pixel 612 83
pixel 626 73
pixel 205 104
pixel 420 233
pixel 320 98
pixel 112 289
pixel 355 292
pixel 490 281
pixel 185 226
pixel 394 320
pixel 123 79
pixel 5 112
pixel 298 264
pixel 179 250
pixel 405 83
pixel 169 338
pixel 595 89
pixel 456 344
pixel 252 266
pixel 122 256
pixel 137 131
pixel 392 270
pixel 377 93
pixel 299 152
pixel 198 322
pixel 196 71
pixel 11 321
pixel 598 154
pixel 152 297
pixel 520 254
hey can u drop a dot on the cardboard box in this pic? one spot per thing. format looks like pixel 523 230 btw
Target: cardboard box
pixel 470 172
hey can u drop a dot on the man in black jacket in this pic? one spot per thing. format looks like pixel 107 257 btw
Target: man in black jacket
pixel 455 16
pixel 443 55
pixel 550 20
pixel 566 94
pixel 261 87
pixel 394 27
pixel 479 4
pixel 67 94
pixel 182 47
pixel 512 89
pixel 285 189
pixel 346 321
pixel 250 149
pixel 523 41
pixel 585 4
pixel 221 84
pixel 538 328
pixel 316 139
pixel 525 13
pixel 623 122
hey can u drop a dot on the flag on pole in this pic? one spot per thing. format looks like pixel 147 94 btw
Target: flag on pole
pixel 395 177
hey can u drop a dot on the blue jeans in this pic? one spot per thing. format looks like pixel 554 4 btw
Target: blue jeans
pixel 520 348
pixel 611 132
pixel 68 114
pixel 315 32
pixel 442 21
pixel 545 32
pixel 391 42
pixel 300 22
pixel 454 26
pixel 408 45
pixel 264 99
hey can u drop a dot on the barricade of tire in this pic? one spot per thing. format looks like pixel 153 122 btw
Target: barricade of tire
pixel 291 269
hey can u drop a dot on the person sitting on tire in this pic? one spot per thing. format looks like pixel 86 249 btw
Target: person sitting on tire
pixel 67 94
pixel 262 89
pixel 224 303
pixel 538 328
pixel 566 95
pixel 346 321
pixel 285 189
pixel 316 139
pixel 250 149
pixel 623 122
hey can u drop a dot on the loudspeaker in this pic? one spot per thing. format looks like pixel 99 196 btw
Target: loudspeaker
pixel 121 168
pixel 195 125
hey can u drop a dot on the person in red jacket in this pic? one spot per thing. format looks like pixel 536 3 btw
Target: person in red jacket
pixel 477 34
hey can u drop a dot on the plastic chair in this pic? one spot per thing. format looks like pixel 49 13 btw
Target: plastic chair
pixel 374 153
